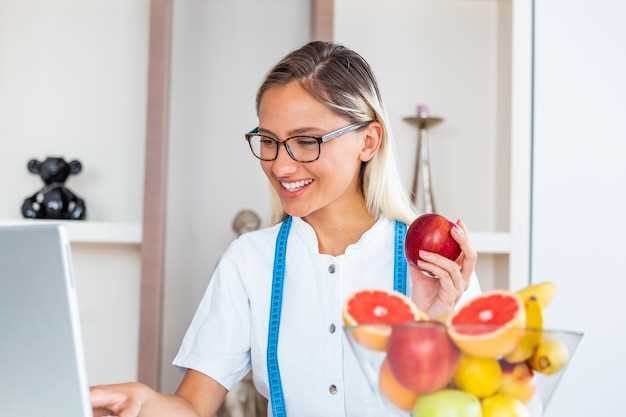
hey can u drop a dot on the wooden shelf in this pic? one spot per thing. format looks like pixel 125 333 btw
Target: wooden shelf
pixel 90 231
pixel 494 243
pixel 130 233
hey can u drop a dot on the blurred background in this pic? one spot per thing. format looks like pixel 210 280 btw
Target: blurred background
pixel 153 97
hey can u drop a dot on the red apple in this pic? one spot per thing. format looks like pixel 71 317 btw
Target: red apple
pixel 430 232
pixel 422 356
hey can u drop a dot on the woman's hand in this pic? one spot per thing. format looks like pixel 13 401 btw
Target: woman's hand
pixel 123 400
pixel 197 395
pixel 438 296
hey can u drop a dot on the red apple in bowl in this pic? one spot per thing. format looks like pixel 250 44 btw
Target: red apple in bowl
pixel 422 357
pixel 430 232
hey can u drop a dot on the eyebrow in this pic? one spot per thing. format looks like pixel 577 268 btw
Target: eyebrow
pixel 298 131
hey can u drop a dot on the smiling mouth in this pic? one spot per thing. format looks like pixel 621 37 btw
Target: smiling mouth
pixel 293 186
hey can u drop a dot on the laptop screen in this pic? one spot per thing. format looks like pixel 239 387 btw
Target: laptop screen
pixel 42 371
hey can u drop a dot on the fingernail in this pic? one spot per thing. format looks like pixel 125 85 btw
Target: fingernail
pixel 424 254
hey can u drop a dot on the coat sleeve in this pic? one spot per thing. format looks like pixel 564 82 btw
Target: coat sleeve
pixel 217 342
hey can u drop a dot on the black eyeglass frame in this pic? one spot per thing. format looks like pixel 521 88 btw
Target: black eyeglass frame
pixel 320 139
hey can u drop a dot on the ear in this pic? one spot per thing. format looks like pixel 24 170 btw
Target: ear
pixel 75 167
pixel 372 141
pixel 33 166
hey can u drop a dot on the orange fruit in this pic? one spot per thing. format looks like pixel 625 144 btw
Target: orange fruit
pixel 399 395
pixel 372 313
pixel 490 325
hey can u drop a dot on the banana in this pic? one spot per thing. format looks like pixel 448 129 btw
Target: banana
pixel 532 333
pixel 543 291
pixel 550 357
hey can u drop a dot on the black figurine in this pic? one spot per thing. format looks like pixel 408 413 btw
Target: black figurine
pixel 54 201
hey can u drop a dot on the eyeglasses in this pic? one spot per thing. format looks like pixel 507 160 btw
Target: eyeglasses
pixel 300 148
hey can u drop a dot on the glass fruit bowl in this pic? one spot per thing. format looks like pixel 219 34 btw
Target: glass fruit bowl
pixel 427 369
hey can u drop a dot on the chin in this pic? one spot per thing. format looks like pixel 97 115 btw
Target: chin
pixel 297 211
pixel 297 208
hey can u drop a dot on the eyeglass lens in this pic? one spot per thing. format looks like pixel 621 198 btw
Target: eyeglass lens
pixel 303 149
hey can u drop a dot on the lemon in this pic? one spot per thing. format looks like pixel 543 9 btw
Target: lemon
pixel 478 376
pixel 501 405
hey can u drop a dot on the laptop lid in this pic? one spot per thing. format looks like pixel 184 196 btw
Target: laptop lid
pixel 43 371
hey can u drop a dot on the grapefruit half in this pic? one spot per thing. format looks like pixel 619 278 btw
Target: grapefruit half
pixel 489 326
pixel 374 312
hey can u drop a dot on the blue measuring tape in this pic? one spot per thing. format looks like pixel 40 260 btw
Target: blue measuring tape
pixel 277 397
pixel 399 260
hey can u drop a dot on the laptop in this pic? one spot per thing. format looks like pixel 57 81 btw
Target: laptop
pixel 42 368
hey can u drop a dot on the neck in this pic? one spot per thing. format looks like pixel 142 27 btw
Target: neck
pixel 340 224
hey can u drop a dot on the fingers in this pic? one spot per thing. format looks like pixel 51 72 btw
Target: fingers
pixel 451 268
pixel 102 398
pixel 448 291
pixel 101 412
pixel 131 409
pixel 106 402
pixel 469 255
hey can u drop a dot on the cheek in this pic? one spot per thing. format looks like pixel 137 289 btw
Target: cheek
pixel 266 166
pixel 342 162
pixel 336 173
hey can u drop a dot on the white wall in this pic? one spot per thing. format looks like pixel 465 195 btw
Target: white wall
pixel 454 56
pixel 73 83
pixel 107 283
pixel 221 52
pixel 579 201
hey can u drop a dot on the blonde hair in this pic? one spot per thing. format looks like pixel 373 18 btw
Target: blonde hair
pixel 342 80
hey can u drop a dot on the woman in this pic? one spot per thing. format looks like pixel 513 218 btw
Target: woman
pixel 274 302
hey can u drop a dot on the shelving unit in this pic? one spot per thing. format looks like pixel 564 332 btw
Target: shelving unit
pixel 90 231
pixel 491 243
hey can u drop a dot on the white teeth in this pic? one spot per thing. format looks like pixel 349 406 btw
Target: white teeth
pixel 296 185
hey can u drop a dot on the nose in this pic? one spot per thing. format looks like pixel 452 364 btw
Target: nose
pixel 283 165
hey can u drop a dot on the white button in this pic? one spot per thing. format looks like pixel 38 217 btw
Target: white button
pixel 332 389
pixel 331 268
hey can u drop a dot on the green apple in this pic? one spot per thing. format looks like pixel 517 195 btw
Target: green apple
pixel 447 403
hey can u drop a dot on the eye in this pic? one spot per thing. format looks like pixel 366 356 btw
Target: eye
pixel 306 141
pixel 267 141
